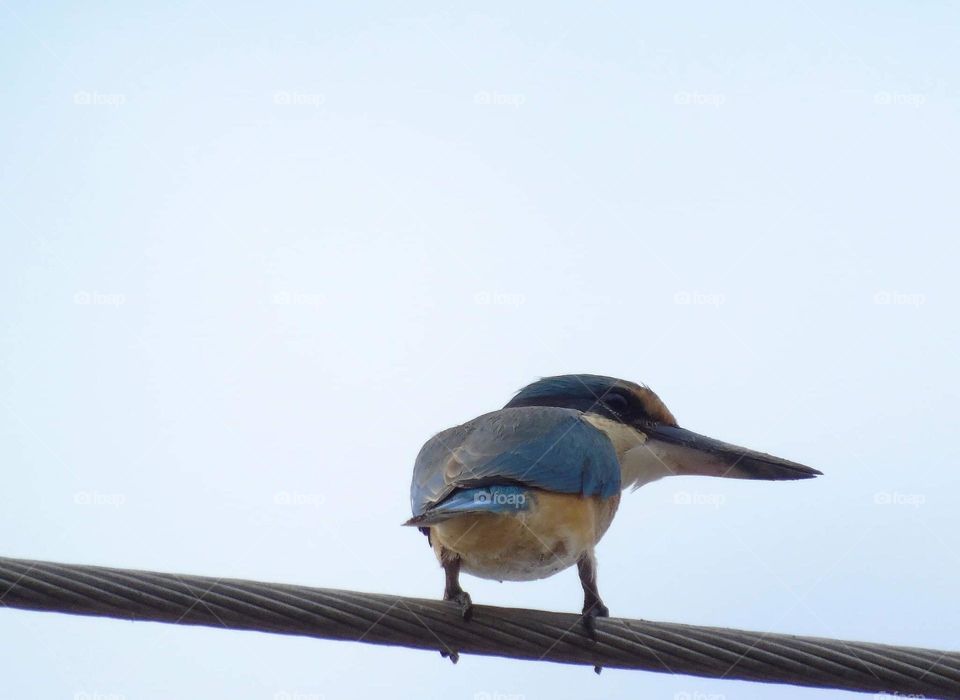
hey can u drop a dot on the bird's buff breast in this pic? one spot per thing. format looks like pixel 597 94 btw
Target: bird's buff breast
pixel 548 537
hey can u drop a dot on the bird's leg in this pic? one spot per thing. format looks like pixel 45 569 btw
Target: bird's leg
pixel 593 607
pixel 450 561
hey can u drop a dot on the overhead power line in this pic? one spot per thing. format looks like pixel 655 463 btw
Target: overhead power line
pixel 507 632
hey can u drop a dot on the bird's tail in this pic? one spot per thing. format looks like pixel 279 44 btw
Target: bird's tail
pixel 489 499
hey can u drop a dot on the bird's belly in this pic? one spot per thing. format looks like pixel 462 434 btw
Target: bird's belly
pixel 548 537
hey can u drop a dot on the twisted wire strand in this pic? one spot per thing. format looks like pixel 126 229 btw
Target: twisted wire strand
pixel 508 632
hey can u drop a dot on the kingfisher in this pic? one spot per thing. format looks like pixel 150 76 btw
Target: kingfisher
pixel 527 491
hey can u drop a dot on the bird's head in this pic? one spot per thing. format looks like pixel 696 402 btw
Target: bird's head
pixel 648 440
pixel 615 399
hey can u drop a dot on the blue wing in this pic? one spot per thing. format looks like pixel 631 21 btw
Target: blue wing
pixel 553 449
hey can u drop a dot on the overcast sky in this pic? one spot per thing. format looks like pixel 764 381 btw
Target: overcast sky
pixel 254 257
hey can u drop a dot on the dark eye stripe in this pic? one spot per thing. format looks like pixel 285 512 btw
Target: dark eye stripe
pixel 616 402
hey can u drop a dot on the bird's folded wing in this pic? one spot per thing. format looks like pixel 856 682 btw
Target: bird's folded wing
pixel 542 447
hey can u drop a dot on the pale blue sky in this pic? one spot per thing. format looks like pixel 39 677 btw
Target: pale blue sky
pixel 252 251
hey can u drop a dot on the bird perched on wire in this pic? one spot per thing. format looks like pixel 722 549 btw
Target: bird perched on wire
pixel 524 492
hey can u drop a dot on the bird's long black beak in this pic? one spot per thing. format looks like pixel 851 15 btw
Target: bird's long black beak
pixel 686 452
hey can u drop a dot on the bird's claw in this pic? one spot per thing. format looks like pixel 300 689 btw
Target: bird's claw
pixel 450 654
pixel 590 615
pixel 462 599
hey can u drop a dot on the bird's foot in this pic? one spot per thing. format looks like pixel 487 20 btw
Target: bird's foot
pixel 590 614
pixel 462 599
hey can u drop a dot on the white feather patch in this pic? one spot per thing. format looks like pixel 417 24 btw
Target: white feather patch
pixel 640 462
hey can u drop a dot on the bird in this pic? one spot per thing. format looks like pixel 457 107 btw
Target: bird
pixel 528 490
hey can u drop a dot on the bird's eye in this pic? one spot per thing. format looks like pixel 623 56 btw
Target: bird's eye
pixel 616 402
